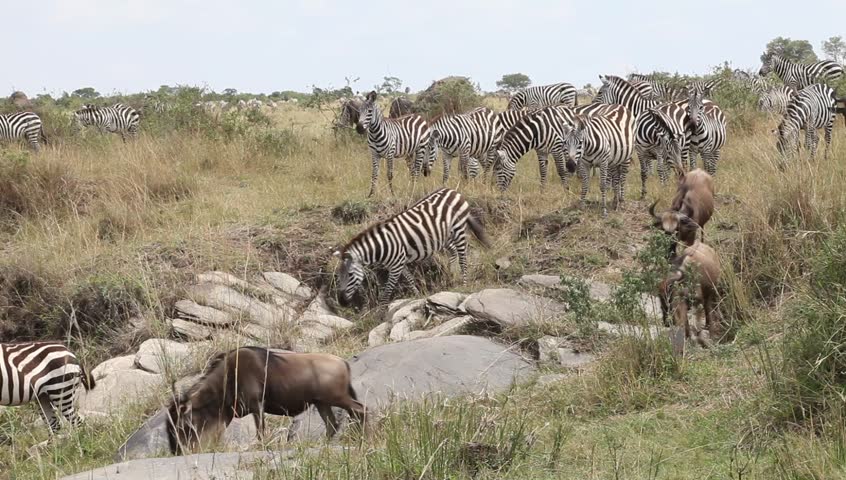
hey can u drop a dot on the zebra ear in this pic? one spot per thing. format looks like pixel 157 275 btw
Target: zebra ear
pixel 603 79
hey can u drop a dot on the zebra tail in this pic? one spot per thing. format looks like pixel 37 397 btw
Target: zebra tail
pixel 479 231
pixel 87 380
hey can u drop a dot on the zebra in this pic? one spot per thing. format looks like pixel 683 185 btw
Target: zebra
pixel 469 135
pixel 541 131
pixel 543 96
pixel 645 88
pixel 812 108
pixel 797 75
pixel 653 89
pixel 43 371
pixel 754 82
pixel 436 222
pixel 704 87
pixel 119 118
pixel 24 126
pixel 657 133
pixel 390 138
pixel 708 131
pixel 605 141
pixel 775 100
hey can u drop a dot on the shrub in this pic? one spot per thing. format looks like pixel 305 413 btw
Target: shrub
pixel 448 95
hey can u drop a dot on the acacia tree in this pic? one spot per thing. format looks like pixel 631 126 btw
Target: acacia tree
pixel 794 50
pixel 390 85
pixel 835 49
pixel 513 81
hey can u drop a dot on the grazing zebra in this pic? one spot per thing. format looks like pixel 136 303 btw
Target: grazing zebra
pixel 469 136
pixel 391 138
pixel 118 118
pixel 46 371
pixel 349 115
pixel 656 134
pixel 22 126
pixel 605 141
pixel 708 131
pixel 775 100
pixel 541 131
pixel 812 108
pixel 799 76
pixel 436 222
pixel 543 96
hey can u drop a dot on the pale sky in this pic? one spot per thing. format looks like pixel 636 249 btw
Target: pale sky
pixel 266 45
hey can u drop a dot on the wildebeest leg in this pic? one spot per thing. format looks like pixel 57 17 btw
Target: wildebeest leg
pixel 329 419
pixel 258 416
pixel 681 313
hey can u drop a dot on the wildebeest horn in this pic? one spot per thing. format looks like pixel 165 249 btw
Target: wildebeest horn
pixel 652 211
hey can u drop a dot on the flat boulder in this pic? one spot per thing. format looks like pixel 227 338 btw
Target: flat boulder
pixel 510 308
pixel 157 355
pixel 112 366
pixel 288 285
pixel 540 281
pixel 113 393
pixel 444 366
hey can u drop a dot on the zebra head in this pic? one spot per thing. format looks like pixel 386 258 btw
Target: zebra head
pixel 368 111
pixel 671 145
pixel 84 116
pixel 573 141
pixel 767 61
pixel 787 138
pixel 694 108
pixel 504 169
pixel 350 277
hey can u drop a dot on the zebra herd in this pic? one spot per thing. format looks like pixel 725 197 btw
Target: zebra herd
pixel 27 126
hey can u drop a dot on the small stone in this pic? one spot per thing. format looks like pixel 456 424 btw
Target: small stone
pixel 400 331
pixel 201 314
pixel 446 300
pixel 112 366
pixel 288 285
pixel 190 330
pixel 157 354
pixel 541 281
pixel 378 336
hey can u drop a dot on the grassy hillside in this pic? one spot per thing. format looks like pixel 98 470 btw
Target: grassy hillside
pixel 96 233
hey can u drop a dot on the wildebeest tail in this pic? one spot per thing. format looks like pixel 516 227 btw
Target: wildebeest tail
pixel 479 231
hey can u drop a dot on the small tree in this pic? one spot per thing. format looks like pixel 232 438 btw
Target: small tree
pixel 390 85
pixel 229 92
pixel 87 93
pixel 835 49
pixel 514 81
pixel 794 50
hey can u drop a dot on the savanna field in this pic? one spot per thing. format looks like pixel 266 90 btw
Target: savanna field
pixel 101 237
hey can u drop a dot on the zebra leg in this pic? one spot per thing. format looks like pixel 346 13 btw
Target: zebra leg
pixel 64 404
pixel 459 244
pixel 48 413
pixel 560 167
pixel 711 160
pixel 374 174
pixel 393 278
pixel 409 278
pixel 447 166
pixel 542 163
pixel 622 173
pixel 389 161
pixel 583 175
pixel 603 185
pixel 643 158
pixel 811 140
pixel 828 137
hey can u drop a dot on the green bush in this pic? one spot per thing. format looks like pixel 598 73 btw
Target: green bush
pixel 448 95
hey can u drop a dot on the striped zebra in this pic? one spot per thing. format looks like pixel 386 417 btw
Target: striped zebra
pixel 436 222
pixel 469 136
pixel 22 126
pixel 656 134
pixel 541 131
pixel 797 75
pixel 543 96
pixel 812 108
pixel 775 100
pixel 704 87
pixel 605 141
pixel 391 138
pixel 708 131
pixel 119 118
pixel 754 82
pixel 44 371
pixel 652 89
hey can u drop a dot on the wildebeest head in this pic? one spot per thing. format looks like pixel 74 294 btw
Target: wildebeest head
pixel 192 419
pixel 671 222
pixel 368 111
pixel 767 64
pixel 350 277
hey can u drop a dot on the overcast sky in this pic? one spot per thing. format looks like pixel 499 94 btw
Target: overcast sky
pixel 267 45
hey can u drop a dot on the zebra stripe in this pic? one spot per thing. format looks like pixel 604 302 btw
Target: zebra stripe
pixel 799 76
pixel 22 126
pixel 812 108
pixel 469 136
pixel 436 222
pixel 391 138
pixel 775 100
pixel 44 371
pixel 118 118
pixel 541 131
pixel 605 141
pixel 708 132
pixel 543 96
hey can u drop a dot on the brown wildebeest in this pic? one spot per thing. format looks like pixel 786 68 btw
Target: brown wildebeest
pixel 703 263
pixel 400 107
pixel 254 380
pixel 691 209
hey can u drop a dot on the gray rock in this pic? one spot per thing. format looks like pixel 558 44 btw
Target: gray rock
pixel 540 281
pixel 330 321
pixel 456 326
pixel 190 330
pixel 288 285
pixel 114 393
pixel 204 466
pixel 201 314
pixel 378 336
pixel 654 331
pixel 510 308
pixel 316 331
pixel 400 331
pixel 446 366
pixel 449 301
pixel 156 355
pixel 240 435
pixel 112 366
pixel 149 440
pixel 411 312
pixel 599 291
pixel 394 306
pixel 318 306
pixel 559 351
pixel 223 297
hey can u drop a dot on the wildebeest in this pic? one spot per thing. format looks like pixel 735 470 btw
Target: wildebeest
pixel 702 262
pixel 254 380
pixel 349 115
pixel 400 106
pixel 691 209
